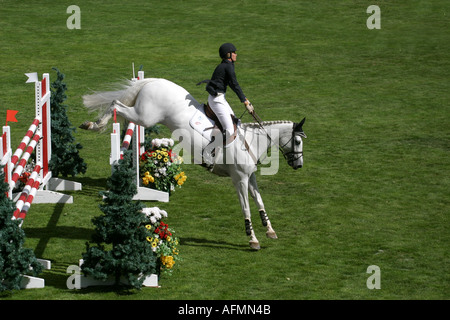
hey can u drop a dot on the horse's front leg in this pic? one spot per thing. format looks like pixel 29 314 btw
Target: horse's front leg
pixel 242 191
pixel 254 192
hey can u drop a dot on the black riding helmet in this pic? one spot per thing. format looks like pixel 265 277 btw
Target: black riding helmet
pixel 225 49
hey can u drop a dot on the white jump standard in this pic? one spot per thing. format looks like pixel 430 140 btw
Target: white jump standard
pixel 38 139
pixel 134 136
pixel 40 182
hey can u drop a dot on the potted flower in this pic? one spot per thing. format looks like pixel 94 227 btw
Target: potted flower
pixel 162 239
pixel 160 167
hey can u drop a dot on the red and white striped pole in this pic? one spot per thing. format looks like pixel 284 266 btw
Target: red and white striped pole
pixel 25 141
pixel 32 183
pixel 23 161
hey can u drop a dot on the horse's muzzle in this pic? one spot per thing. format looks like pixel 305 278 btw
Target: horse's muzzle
pixel 296 167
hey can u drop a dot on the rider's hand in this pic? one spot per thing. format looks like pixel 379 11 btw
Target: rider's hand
pixel 249 106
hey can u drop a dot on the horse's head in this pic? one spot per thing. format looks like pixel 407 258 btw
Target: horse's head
pixel 292 145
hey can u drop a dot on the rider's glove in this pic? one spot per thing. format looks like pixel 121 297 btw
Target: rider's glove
pixel 249 106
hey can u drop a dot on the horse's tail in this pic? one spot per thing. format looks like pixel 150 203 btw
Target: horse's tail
pixel 99 101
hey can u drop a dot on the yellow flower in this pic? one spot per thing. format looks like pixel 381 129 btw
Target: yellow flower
pixel 166 159
pixel 154 244
pixel 148 226
pixel 159 157
pixel 149 239
pixel 167 261
pixel 148 178
pixel 180 182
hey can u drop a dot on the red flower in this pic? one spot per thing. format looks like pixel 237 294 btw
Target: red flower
pixel 24 177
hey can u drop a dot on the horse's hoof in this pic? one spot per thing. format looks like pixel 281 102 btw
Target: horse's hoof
pixel 89 125
pixel 86 125
pixel 254 245
pixel 271 235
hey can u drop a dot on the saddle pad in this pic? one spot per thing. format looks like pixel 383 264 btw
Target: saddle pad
pixel 200 122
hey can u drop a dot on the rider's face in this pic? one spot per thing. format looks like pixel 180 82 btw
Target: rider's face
pixel 233 56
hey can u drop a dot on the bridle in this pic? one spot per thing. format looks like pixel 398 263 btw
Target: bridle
pixel 292 155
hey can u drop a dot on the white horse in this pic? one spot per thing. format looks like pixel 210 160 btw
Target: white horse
pixel 151 101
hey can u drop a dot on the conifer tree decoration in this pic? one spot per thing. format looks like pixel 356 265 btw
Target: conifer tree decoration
pixel 15 260
pixel 65 152
pixel 120 248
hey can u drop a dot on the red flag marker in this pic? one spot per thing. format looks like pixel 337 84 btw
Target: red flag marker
pixel 11 116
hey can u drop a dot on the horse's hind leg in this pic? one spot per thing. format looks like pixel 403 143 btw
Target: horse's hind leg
pixel 128 113
pixel 254 192
pixel 136 114
pixel 101 122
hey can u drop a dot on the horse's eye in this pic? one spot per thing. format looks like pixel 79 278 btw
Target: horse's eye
pixel 298 140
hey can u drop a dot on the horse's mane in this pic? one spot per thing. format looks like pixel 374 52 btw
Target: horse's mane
pixel 264 123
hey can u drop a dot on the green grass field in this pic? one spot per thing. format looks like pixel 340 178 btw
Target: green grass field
pixel 374 189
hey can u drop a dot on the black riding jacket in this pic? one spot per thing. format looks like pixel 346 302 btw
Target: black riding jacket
pixel 222 77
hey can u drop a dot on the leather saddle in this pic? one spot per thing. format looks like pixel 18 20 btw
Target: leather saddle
pixel 218 126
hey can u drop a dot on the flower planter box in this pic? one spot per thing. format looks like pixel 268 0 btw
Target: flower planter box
pixel 88 281
pixel 147 194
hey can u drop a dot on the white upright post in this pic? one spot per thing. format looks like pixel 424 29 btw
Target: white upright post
pixel 5 154
pixel 115 145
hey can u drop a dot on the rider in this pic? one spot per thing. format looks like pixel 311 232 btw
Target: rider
pixel 222 77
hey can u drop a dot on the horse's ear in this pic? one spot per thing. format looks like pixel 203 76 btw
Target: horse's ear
pixel 299 126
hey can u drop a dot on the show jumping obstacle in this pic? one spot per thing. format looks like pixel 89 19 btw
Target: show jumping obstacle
pixel 134 136
pixel 40 185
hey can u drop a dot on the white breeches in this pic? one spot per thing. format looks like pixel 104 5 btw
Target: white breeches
pixel 223 111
